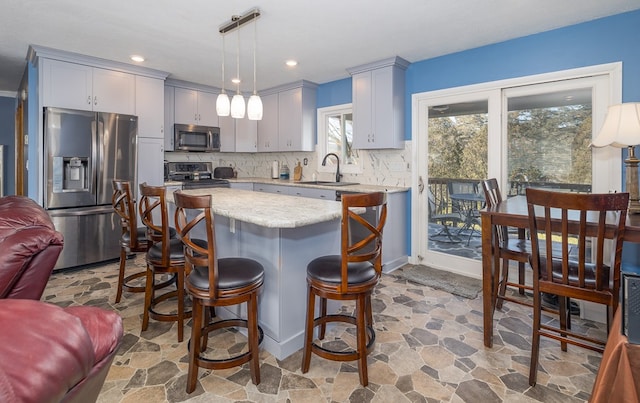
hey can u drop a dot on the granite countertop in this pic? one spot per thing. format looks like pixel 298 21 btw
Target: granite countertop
pixel 267 209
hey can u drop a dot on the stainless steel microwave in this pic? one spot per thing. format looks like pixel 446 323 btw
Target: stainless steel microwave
pixel 196 138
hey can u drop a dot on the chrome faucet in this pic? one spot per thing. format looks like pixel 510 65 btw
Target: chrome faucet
pixel 324 163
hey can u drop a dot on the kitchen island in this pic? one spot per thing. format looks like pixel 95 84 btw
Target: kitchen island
pixel 283 233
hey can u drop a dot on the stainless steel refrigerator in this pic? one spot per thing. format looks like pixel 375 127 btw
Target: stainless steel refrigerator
pixel 84 151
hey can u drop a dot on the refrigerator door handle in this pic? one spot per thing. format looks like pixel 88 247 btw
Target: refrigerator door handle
pixel 81 211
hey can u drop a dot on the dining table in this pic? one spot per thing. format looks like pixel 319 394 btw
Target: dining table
pixel 512 212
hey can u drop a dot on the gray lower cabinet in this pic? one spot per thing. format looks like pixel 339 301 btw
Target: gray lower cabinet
pixel 314 193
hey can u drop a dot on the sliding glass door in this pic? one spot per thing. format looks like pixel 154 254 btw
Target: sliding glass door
pixel 525 135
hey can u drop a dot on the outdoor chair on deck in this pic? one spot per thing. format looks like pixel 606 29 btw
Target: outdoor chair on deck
pixel 352 275
pixel 466 200
pixel 213 282
pixel 588 270
pixel 446 221
pixel 507 248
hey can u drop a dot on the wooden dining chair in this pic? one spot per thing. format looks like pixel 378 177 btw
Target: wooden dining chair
pixel 213 282
pixel 165 256
pixel 507 249
pixel 589 228
pixel 352 275
pixel 133 239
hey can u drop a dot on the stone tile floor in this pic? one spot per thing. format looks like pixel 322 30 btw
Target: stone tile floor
pixel 429 348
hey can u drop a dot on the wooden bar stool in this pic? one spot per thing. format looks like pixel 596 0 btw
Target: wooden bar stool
pixel 165 255
pixel 133 239
pixel 216 282
pixel 352 275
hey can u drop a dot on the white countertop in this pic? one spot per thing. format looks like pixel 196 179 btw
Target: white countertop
pixel 267 209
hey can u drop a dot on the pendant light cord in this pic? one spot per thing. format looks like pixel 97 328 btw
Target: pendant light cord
pixel 255 38
pixel 238 59
pixel 223 64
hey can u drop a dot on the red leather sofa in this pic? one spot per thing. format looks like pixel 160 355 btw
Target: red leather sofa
pixel 54 354
pixel 47 353
pixel 29 248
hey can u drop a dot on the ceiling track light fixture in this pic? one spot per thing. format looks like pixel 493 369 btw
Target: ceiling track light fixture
pixel 237 107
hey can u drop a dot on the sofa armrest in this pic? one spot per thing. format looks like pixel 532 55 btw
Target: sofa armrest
pixel 29 247
pixel 46 351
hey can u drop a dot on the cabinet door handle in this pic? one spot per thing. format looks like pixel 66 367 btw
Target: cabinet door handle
pixel 89 100
pixel 95 100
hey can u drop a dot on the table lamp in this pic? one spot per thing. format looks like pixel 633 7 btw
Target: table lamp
pixel 621 129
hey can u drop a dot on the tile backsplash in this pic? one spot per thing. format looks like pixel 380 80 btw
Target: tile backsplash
pixel 377 167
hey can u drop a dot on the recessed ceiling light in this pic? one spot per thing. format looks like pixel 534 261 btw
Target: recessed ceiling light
pixel 137 58
pixel 291 63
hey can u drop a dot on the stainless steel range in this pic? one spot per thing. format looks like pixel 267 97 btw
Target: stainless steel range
pixel 193 175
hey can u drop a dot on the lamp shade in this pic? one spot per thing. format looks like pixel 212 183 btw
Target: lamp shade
pixel 237 106
pixel 223 105
pixel 254 107
pixel 621 127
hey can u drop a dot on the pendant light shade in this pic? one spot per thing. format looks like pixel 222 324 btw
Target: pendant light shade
pixel 237 106
pixel 223 106
pixel 254 107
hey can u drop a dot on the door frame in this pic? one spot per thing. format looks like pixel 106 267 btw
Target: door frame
pixel 607 159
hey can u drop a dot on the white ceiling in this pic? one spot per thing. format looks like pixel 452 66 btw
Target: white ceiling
pixel 326 37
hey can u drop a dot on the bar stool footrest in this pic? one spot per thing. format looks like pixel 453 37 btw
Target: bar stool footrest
pixel 224 363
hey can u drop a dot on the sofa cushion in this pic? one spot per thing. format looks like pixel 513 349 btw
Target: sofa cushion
pixel 46 350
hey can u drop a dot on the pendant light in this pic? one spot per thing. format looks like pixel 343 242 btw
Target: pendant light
pixel 254 106
pixel 237 103
pixel 223 106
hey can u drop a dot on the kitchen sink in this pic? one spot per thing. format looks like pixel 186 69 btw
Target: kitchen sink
pixel 328 183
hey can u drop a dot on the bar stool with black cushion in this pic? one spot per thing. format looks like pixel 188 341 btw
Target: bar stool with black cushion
pixel 164 256
pixel 133 239
pixel 590 228
pixel 352 275
pixel 213 282
pixel 508 248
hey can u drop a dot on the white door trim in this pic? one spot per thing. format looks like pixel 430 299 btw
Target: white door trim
pixel 419 103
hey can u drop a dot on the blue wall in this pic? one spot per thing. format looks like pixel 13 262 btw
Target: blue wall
pixel 334 93
pixel 606 40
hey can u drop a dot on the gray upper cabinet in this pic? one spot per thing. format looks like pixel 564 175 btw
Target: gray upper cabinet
pixel 268 126
pixel 83 87
pixel 193 107
pixel 289 118
pixel 378 104
pixel 150 107
pixel 238 135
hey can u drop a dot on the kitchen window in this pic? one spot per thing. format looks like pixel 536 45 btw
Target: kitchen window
pixel 335 135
